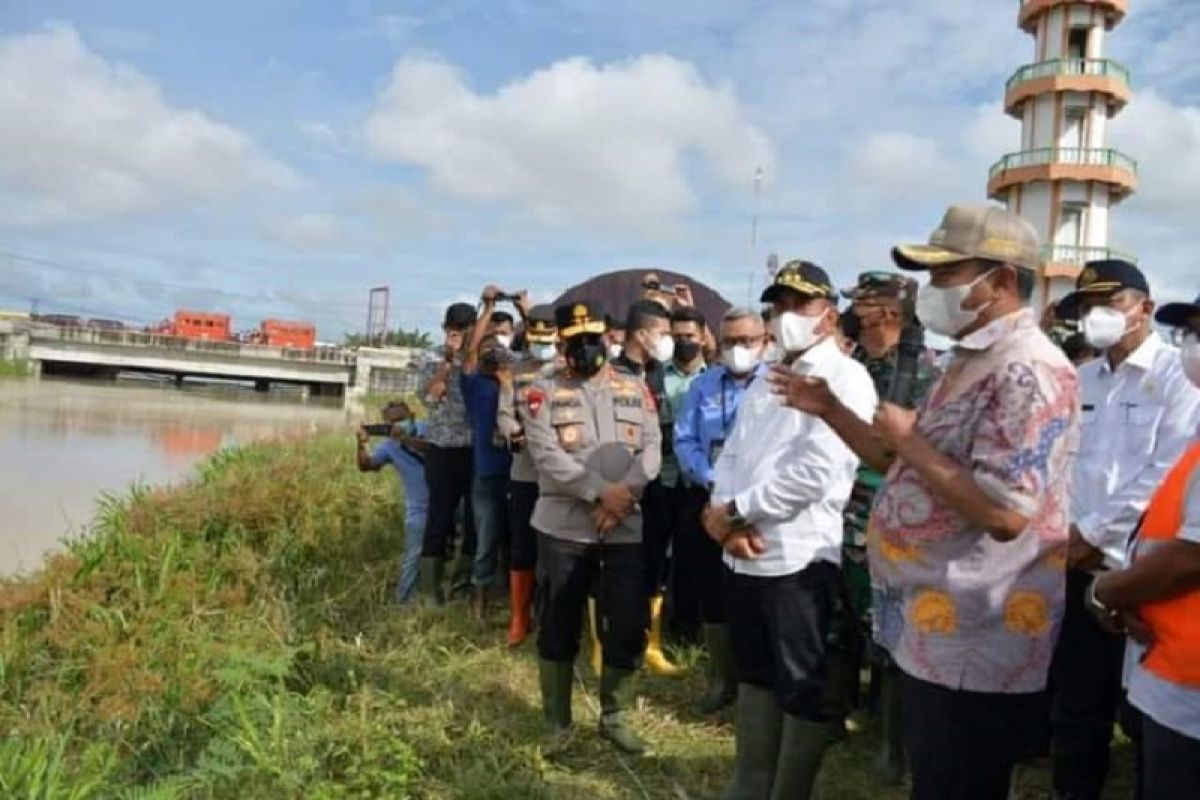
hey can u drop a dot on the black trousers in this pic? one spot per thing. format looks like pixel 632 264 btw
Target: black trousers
pixel 963 745
pixel 779 627
pixel 448 476
pixel 698 572
pixel 1086 680
pixel 1171 762
pixel 656 537
pixel 522 497
pixel 566 572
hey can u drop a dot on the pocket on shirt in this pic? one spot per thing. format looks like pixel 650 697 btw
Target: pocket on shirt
pixel 629 426
pixel 1141 423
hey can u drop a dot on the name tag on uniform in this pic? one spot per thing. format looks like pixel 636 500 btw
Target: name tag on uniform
pixel 627 400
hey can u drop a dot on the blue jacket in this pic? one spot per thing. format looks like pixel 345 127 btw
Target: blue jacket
pixel 706 419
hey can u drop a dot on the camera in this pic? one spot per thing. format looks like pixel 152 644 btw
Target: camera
pixel 506 297
pixel 378 429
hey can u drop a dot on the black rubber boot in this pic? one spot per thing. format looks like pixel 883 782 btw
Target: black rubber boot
pixel 556 678
pixel 615 686
pixel 429 582
pixel 801 748
pixel 759 725
pixel 721 676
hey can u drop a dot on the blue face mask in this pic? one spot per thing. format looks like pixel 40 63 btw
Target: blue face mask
pixel 542 352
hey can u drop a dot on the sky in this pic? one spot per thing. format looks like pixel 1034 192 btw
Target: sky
pixel 279 158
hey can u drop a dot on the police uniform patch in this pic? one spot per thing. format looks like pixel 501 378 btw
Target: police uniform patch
pixel 632 434
pixel 534 399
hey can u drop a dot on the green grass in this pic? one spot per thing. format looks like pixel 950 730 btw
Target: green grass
pixel 232 639
pixel 18 368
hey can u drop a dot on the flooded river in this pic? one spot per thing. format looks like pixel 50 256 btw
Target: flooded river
pixel 63 442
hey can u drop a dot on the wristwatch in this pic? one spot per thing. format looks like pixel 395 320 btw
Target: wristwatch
pixel 1096 605
pixel 734 516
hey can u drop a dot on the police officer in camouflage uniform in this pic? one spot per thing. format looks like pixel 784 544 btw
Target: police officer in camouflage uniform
pixel 878 302
pixel 594 437
pixel 538 361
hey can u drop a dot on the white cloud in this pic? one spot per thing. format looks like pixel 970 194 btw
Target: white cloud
pixel 573 142
pixel 305 233
pixel 84 139
pixel 893 167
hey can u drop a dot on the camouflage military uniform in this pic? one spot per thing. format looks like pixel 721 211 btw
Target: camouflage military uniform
pixel 858 509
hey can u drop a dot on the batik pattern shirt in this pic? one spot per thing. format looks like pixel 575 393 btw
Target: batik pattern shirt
pixel 954 606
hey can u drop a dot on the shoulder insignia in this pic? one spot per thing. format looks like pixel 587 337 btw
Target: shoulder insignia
pixel 534 399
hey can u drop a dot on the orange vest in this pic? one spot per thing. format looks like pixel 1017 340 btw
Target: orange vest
pixel 1175 654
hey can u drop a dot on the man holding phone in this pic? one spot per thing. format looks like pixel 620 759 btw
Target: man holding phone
pixel 403 450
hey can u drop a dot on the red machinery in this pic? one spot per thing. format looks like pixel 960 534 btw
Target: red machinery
pixel 289 333
pixel 201 325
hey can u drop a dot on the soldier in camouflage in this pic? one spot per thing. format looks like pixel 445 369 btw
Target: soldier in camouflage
pixel 878 302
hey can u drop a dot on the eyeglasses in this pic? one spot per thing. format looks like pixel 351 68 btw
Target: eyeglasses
pixel 1184 336
pixel 653 286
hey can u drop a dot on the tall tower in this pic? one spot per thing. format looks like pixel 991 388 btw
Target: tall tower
pixel 1065 178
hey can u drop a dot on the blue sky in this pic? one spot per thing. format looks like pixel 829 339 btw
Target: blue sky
pixel 280 158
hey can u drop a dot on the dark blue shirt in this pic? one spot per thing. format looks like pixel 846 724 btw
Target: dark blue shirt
pixel 481 393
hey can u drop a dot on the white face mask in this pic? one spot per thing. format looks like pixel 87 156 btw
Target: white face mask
pixel 795 332
pixel 614 351
pixel 941 311
pixel 504 341
pixel 663 349
pixel 1189 354
pixel 741 360
pixel 542 352
pixel 1103 327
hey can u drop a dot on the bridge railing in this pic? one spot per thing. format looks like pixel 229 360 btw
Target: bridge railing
pixel 111 338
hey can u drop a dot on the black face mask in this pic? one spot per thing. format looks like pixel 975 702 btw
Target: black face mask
pixel 686 352
pixel 586 355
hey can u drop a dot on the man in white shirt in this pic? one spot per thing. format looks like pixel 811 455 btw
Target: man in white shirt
pixel 780 486
pixel 1139 412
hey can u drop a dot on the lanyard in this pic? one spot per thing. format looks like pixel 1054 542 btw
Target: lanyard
pixel 725 418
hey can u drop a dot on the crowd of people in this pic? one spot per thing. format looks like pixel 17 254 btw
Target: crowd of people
pixel 995 548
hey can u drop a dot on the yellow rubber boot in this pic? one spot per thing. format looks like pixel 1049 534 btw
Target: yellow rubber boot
pixel 597 658
pixel 656 660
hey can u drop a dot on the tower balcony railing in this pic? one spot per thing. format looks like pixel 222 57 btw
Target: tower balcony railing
pixel 1069 156
pixel 1079 255
pixel 1055 67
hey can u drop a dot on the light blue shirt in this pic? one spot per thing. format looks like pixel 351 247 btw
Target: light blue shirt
pixel 706 418
pixel 411 470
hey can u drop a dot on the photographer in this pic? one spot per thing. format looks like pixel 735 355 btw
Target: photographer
pixel 486 355
pixel 448 458
pixel 402 449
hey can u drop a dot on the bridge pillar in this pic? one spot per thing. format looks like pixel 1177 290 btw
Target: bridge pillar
pixel 262 386
pixel 178 381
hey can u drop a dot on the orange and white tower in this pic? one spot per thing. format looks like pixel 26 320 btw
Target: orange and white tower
pixel 1065 179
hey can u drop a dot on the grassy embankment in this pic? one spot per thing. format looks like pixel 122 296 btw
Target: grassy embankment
pixel 232 639
pixel 18 368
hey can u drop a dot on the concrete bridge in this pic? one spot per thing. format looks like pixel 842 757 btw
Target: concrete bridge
pixel 53 349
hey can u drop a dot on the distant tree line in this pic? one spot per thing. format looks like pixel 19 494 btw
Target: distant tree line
pixel 397 338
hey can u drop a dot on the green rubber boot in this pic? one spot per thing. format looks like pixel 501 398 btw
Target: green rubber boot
pixel 615 686
pixel 556 678
pixel 759 724
pixel 430 581
pixel 721 678
pixel 801 747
